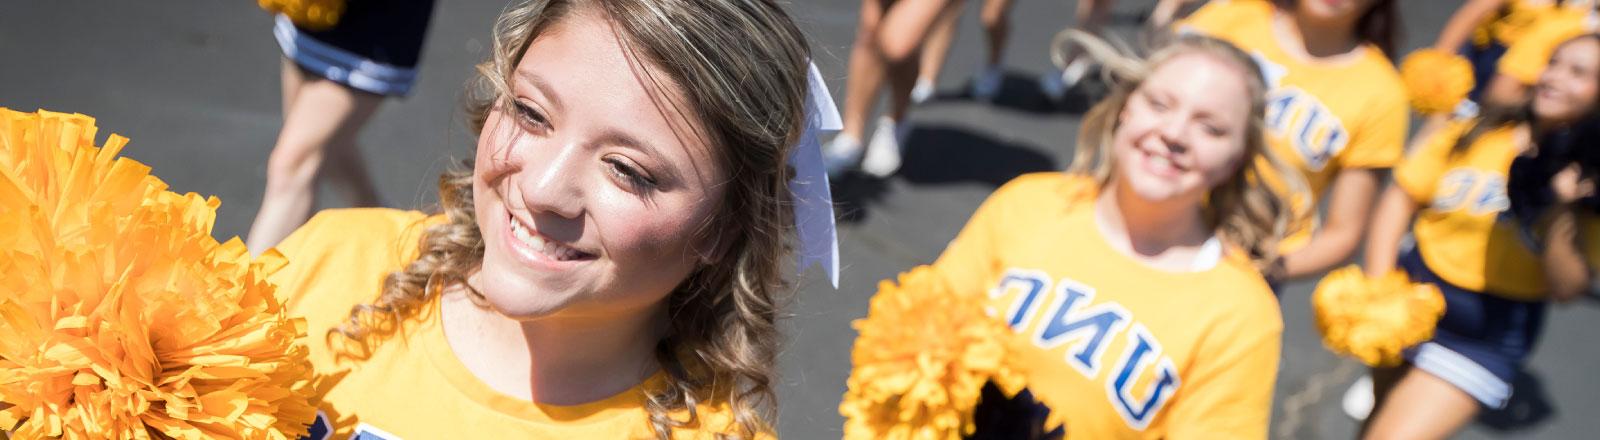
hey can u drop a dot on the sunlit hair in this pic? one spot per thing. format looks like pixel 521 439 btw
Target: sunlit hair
pixel 1242 210
pixel 741 68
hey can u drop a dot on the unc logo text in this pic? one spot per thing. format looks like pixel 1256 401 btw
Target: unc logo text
pixel 1069 320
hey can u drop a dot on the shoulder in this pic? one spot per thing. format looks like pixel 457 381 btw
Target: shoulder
pixel 1379 77
pixel 1226 16
pixel 1046 186
pixel 345 248
pixel 363 230
pixel 1244 297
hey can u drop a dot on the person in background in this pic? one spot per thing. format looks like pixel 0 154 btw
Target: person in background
pixel 1132 280
pixel 1452 193
pixel 1337 110
pixel 333 82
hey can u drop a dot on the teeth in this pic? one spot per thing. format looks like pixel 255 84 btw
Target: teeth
pixel 1162 161
pixel 554 251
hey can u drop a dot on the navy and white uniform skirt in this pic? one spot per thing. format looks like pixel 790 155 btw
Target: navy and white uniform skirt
pixel 374 48
pixel 1482 340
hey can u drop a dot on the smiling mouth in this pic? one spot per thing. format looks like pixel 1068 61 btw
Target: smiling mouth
pixel 549 249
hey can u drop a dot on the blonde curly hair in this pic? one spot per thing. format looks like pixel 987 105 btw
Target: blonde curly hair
pixel 742 67
pixel 1243 210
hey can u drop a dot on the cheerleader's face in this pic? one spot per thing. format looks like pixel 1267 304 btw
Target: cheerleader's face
pixel 1182 132
pixel 590 191
pixel 1567 89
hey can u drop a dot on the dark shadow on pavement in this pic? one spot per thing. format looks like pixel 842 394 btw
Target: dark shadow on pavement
pixel 1529 406
pixel 1019 91
pixel 940 155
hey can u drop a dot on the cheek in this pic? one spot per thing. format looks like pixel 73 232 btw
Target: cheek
pixel 651 243
pixel 1219 160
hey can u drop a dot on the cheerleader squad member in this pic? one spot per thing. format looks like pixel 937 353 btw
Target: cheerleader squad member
pixel 1495 290
pixel 610 266
pixel 1133 278
pixel 333 82
pixel 1337 110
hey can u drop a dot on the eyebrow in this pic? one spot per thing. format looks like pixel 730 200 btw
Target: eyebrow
pixel 544 87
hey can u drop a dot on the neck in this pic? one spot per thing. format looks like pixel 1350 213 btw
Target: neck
pixel 558 360
pixel 1320 38
pixel 1151 231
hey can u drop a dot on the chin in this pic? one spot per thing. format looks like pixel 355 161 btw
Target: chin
pixel 518 297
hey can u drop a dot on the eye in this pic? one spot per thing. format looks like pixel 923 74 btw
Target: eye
pixel 1214 130
pixel 631 175
pixel 529 117
pixel 1156 103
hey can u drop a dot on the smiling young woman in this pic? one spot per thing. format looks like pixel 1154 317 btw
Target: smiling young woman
pixel 1134 276
pixel 610 266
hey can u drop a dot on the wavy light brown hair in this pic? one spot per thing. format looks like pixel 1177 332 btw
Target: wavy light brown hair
pixel 1243 209
pixel 742 68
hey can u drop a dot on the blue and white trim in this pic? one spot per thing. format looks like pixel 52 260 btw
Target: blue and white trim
pixel 340 65
pixel 1462 372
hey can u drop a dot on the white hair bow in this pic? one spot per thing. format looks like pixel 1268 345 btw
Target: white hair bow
pixel 813 202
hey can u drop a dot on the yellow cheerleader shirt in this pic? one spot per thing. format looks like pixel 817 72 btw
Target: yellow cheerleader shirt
pixel 413 386
pixel 1459 231
pixel 1115 348
pixel 1322 116
pixel 1525 60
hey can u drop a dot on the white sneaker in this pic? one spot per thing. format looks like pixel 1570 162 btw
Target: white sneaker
pixel 883 152
pixel 840 154
pixel 986 85
pixel 1358 400
pixel 923 91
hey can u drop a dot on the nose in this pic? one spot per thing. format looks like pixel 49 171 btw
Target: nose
pixel 1171 132
pixel 551 180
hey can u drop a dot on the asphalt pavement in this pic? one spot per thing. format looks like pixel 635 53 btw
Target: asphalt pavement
pixel 195 85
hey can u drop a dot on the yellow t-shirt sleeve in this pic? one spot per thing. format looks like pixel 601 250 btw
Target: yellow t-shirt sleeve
pixel 1419 174
pixel 1379 138
pixel 1525 60
pixel 1217 17
pixel 970 261
pixel 1228 392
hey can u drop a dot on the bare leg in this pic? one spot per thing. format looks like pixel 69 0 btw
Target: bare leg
pixel 937 48
pixel 1419 405
pixel 997 24
pixel 322 114
pixel 867 72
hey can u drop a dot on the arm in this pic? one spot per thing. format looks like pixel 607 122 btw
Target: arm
pixel 906 24
pixel 1389 224
pixel 1565 268
pixel 1349 207
pixel 1461 24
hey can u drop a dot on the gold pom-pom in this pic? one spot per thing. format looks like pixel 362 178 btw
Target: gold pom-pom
pixel 1375 319
pixel 921 360
pixel 1435 80
pixel 120 316
pixel 313 15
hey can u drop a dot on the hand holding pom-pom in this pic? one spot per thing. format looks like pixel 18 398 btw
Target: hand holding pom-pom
pixel 921 361
pixel 1375 319
pixel 120 316
pixel 1436 80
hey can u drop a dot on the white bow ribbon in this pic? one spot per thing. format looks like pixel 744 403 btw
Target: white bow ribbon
pixel 813 201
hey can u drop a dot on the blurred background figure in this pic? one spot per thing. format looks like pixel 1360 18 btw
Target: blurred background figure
pixel 333 82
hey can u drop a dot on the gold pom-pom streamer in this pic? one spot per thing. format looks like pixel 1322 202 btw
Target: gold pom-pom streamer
pixel 1436 81
pixel 120 316
pixel 1375 319
pixel 313 15
pixel 921 359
